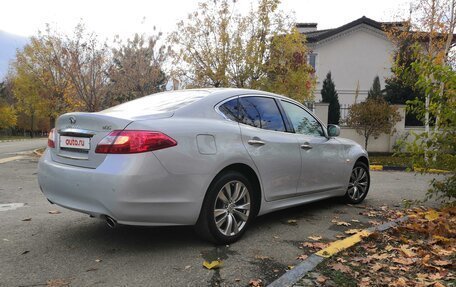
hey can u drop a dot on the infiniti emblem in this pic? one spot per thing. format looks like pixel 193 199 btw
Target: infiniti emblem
pixel 72 120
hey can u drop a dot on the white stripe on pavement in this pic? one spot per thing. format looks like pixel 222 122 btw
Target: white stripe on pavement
pixel 8 159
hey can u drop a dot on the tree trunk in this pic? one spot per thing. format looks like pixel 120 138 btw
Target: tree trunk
pixel 32 122
pixel 366 139
pixel 51 122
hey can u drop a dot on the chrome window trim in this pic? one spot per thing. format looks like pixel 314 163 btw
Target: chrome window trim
pixel 279 98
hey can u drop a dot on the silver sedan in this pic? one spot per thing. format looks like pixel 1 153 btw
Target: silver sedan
pixel 213 158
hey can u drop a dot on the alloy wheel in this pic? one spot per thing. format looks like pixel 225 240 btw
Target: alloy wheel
pixel 359 182
pixel 232 208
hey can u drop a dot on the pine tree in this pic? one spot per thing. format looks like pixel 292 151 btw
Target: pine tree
pixel 375 91
pixel 329 95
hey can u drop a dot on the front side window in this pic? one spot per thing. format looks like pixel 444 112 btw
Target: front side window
pixel 302 121
pixel 260 112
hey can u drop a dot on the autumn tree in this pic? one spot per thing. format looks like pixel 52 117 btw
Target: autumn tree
pixel 219 47
pixel 29 94
pixel 137 68
pixel 8 116
pixel 372 118
pixel 85 62
pixel 329 95
pixel 40 61
pixel 375 92
pixel 432 24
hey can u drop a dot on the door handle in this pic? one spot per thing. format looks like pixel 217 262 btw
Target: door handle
pixel 256 142
pixel 306 146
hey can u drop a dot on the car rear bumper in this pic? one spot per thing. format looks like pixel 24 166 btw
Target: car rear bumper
pixel 133 189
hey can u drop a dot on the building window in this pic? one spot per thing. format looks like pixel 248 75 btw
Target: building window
pixel 313 60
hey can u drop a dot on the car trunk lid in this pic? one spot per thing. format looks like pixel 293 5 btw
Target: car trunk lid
pixel 77 136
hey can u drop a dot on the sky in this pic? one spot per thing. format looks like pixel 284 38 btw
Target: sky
pixel 124 18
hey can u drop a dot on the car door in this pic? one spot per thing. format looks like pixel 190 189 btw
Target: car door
pixel 323 159
pixel 274 151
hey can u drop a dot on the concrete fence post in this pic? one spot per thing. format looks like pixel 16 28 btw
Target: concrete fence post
pixel 321 111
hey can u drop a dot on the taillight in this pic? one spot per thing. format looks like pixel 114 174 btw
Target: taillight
pixel 51 139
pixel 134 142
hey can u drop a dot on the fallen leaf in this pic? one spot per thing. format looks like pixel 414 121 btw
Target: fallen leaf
pixel 340 267
pixel 404 261
pixel 409 253
pixel 438 284
pixel 275 270
pixel 25 252
pixel 343 223
pixel 389 247
pixel 290 267
pixel 442 262
pixel 355 220
pixel 341 260
pixel 256 283
pixel 27 219
pixel 98 260
pixel 261 257
pixel 302 257
pixel 91 269
pixel 237 280
pixel 315 238
pixel 187 267
pixel 431 215
pixel 377 267
pixel 441 238
pixel 54 211
pixel 379 256
pixel 292 221
pixel 322 279
pixel 57 283
pixel 212 265
pixel 400 282
pixel 340 236
pixel 352 231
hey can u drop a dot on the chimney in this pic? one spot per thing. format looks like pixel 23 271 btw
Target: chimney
pixel 306 27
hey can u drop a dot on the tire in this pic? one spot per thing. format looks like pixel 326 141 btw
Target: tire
pixel 359 184
pixel 228 208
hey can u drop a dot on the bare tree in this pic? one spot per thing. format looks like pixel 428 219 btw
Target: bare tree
pixel 137 68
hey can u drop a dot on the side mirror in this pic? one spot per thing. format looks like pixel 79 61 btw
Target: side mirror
pixel 333 130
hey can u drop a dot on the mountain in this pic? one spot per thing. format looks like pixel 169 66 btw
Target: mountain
pixel 8 45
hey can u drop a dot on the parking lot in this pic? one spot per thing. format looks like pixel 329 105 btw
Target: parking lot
pixel 38 247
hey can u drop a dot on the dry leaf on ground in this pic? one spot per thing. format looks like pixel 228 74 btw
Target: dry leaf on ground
pixel 315 237
pixel 256 283
pixel 212 265
pixel 54 211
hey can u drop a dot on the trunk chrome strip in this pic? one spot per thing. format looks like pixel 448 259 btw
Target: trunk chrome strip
pixel 72 157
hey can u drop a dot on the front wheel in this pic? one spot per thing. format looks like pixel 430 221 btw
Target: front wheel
pixel 359 183
pixel 228 209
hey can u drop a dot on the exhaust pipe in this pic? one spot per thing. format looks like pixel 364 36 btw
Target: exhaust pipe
pixel 111 222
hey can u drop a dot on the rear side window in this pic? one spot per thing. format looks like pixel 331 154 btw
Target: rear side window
pixel 260 112
pixel 230 109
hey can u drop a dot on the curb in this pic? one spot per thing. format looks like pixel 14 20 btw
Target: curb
pixel 294 275
pixel 377 167
pixel 36 152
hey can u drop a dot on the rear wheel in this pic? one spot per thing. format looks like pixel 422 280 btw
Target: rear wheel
pixel 359 183
pixel 228 208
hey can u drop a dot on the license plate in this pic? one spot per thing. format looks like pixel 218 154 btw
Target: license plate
pixel 75 142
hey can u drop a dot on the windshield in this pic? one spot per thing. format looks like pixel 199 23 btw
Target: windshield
pixel 158 103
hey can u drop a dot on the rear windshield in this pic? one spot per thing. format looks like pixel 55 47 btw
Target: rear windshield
pixel 159 103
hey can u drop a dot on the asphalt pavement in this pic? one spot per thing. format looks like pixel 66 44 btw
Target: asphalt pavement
pixel 39 248
pixel 11 148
